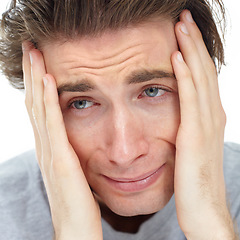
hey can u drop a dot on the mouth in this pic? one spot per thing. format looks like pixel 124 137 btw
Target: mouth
pixel 136 184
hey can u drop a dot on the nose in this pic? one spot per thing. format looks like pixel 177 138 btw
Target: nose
pixel 126 137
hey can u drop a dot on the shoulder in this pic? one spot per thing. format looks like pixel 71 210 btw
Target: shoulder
pixel 232 165
pixel 232 178
pixel 231 158
pixel 17 177
pixel 232 148
pixel 24 208
pixel 19 163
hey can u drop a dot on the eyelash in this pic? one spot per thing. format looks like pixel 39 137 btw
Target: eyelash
pixel 154 87
pixel 70 105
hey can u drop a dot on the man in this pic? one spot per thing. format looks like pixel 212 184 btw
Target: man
pixel 123 99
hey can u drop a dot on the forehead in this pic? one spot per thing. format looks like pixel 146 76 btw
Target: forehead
pixel 150 43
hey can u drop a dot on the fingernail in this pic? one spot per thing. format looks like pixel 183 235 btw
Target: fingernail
pixel 184 29
pixel 179 57
pixel 189 17
pixel 45 81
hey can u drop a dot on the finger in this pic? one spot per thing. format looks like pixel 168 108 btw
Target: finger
pixel 191 56
pixel 38 109
pixel 187 19
pixel 206 60
pixel 61 148
pixel 200 76
pixel 187 92
pixel 209 68
pixel 37 73
pixel 27 78
pixel 26 66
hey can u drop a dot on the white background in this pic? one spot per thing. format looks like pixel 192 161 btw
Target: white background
pixel 16 132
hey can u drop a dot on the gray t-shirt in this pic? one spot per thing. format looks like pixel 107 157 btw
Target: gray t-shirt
pixel 25 214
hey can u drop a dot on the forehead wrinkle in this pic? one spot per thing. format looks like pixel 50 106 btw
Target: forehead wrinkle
pixel 101 61
pixel 137 76
pixel 89 68
pixel 119 53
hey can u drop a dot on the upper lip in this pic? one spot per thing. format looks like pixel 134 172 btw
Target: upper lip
pixel 135 179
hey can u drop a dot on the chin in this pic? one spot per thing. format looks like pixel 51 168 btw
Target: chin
pixel 141 207
pixel 142 203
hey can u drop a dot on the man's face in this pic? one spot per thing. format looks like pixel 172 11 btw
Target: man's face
pixel 120 105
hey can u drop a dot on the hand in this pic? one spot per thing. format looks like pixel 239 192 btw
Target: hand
pixel 199 182
pixel 75 212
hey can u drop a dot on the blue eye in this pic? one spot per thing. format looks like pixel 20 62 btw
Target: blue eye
pixel 154 92
pixel 82 104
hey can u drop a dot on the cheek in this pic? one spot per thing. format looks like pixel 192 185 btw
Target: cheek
pixel 162 121
pixel 84 139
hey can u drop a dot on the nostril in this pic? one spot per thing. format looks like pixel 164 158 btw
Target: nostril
pixel 135 152
pixel 126 139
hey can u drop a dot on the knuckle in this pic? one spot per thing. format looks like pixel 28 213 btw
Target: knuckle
pixel 49 124
pixel 186 73
pixel 28 103
pixel 197 33
pixel 221 120
pixel 212 67
pixel 46 99
pixel 224 118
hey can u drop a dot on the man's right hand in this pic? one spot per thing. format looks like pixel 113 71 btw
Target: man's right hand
pixel 75 212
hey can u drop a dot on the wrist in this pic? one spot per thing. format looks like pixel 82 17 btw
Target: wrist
pixel 70 234
pixel 214 232
pixel 71 237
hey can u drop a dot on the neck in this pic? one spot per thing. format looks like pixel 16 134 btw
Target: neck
pixel 121 223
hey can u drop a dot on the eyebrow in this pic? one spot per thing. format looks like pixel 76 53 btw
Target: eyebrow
pixel 147 75
pixel 85 85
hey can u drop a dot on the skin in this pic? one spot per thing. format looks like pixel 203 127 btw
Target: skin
pixel 126 134
pixel 141 131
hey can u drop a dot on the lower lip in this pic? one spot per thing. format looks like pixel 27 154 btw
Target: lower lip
pixel 136 186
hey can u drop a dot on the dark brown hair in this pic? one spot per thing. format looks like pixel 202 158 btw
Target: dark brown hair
pixel 41 21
